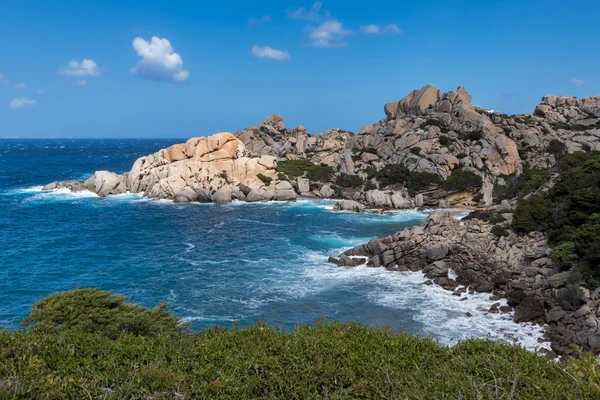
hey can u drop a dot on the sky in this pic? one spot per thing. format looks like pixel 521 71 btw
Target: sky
pixel 177 69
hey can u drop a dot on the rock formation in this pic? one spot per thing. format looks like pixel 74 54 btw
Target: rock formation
pixel 218 168
pixel 514 267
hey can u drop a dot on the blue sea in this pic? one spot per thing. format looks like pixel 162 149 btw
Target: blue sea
pixel 213 264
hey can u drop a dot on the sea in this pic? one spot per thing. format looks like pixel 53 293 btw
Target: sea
pixel 222 265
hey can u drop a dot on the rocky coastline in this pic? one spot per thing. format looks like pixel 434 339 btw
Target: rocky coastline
pixel 433 150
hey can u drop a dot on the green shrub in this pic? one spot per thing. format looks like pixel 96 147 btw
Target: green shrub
pixel 518 186
pixel 99 311
pixel 497 218
pixel 296 168
pixel 461 180
pixel 446 140
pixel 415 150
pixel 569 213
pixel 265 179
pixel 393 174
pixel 349 181
pixel 335 360
pixel 473 136
pixel 500 231
pixel 556 148
pixel 370 186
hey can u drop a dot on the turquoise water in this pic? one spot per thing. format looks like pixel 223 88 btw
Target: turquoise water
pixel 214 264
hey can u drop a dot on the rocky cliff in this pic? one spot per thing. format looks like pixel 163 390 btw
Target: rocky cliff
pixel 511 266
pixel 217 169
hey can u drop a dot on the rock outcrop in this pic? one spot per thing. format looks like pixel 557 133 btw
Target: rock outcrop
pixel 271 137
pixel 217 169
pixel 514 267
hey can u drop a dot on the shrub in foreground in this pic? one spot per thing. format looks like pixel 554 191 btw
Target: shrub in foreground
pixel 333 360
pixel 101 312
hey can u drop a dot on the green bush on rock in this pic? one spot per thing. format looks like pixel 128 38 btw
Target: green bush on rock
pixel 569 212
pixel 297 168
pixel 335 360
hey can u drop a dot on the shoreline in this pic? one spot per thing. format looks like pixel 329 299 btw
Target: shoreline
pixel 524 328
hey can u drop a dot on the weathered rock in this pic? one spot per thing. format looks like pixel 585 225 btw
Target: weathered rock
pixel 303 185
pixel 530 309
pixel 348 205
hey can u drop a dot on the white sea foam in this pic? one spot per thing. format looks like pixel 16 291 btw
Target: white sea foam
pixel 258 222
pixel 33 189
pixel 443 314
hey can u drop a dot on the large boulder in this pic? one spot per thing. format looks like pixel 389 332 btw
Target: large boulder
pixel 348 205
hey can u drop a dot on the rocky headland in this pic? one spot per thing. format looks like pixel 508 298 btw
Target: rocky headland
pixel 431 149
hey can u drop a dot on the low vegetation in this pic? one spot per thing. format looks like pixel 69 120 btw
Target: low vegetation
pixel 265 179
pixel 518 186
pixel 399 175
pixel 569 213
pixel 462 180
pixel 58 357
pixel 297 168
pixel 349 181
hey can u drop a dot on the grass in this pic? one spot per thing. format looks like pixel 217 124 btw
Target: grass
pixel 334 361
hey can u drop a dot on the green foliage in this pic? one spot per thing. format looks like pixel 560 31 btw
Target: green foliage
pixel 557 148
pixel 393 174
pixel 570 214
pixel 474 136
pixel 265 179
pixel 574 127
pixel 415 150
pixel 500 231
pixel 564 255
pixel 446 140
pixel 334 360
pixel 349 181
pixel 296 168
pixel 518 186
pixel 370 186
pixel 461 180
pixel 101 312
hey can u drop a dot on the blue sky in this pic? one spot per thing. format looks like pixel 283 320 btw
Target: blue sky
pixel 228 65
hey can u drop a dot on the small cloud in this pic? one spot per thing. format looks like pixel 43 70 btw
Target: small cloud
pixel 312 14
pixel 80 83
pixel 159 61
pixel 20 86
pixel 577 82
pixel 16 104
pixel 374 29
pixel 2 80
pixel 328 34
pixel 270 53
pixel 258 21
pixel 41 92
pixel 85 68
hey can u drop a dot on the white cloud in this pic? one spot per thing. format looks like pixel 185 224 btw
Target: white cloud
pixel 20 86
pixel 378 29
pixel 15 104
pixel 257 21
pixel 269 52
pixel 41 92
pixel 80 83
pixel 328 34
pixel 85 68
pixel 313 14
pixel 159 61
pixel 577 82
pixel 2 80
